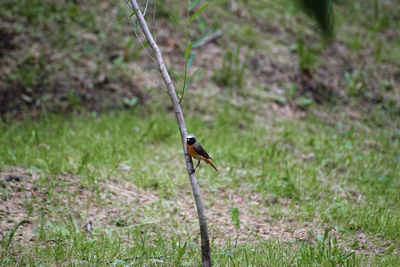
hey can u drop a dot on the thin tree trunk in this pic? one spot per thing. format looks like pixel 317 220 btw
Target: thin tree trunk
pixel 205 241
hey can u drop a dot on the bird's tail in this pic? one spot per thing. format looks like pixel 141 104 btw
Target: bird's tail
pixel 209 162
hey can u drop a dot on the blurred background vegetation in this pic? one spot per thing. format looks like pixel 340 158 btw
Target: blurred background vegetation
pixel 69 56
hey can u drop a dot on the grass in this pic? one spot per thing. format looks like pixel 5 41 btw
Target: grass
pixel 322 190
pixel 339 177
pixel 153 249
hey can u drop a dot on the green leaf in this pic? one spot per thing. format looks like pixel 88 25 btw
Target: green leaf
pixel 6 240
pixel 130 102
pixel 201 38
pixel 292 91
pixel 189 61
pixel 181 252
pixel 175 75
pixel 133 13
pixel 304 102
pixel 193 4
pixel 198 12
pixel 188 50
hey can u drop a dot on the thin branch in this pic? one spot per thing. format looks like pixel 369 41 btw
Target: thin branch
pixel 151 80
pixel 145 9
pixel 154 21
pixel 185 81
pixel 205 241
pixel 136 30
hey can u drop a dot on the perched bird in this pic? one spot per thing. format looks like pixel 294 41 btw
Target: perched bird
pixel 196 151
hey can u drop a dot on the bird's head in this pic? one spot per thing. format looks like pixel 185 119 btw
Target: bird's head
pixel 190 139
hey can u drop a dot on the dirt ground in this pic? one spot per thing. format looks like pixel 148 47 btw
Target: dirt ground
pixel 116 199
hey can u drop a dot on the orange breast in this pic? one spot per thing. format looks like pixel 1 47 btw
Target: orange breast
pixel 193 153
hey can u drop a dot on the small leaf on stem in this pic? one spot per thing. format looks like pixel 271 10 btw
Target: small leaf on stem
pixel 189 61
pixel 197 13
pixel 188 50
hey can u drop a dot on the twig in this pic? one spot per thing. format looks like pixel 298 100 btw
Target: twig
pixel 137 32
pixel 151 80
pixel 205 241
pixel 209 38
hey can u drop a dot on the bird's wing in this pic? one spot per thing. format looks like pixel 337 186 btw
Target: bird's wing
pixel 199 149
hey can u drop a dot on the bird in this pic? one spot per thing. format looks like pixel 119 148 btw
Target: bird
pixel 196 151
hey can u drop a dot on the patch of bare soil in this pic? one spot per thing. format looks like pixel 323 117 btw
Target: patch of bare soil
pixel 22 191
pixel 15 185
pixel 119 197
pixel 118 203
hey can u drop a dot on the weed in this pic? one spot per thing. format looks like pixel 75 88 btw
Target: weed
pixel 326 252
pixel 231 73
pixel 308 59
pixel 355 83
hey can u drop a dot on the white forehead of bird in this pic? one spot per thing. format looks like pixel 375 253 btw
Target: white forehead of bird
pixel 190 136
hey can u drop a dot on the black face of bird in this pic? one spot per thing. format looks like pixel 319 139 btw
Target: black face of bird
pixel 190 139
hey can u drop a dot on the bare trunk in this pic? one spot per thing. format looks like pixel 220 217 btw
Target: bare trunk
pixel 205 241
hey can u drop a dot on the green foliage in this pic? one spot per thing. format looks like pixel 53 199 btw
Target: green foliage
pixel 355 83
pixel 326 185
pixel 132 49
pixel 131 102
pixel 308 58
pixel 231 73
pixel 327 252
pixel 31 73
pixel 7 238
pixel 45 13
pixel 235 217
pixel 291 91
pixel 189 55
pixel 322 12
pixel 244 35
pixel 197 13
pixel 164 9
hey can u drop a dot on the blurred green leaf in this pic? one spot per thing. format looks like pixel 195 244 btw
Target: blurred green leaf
pixel 181 252
pixel 130 102
pixel 305 102
pixel 190 60
pixel 198 12
pixel 186 85
pixel 193 4
pixel 133 13
pixel 188 50
pixel 201 38
pixel 292 91
pixel 322 12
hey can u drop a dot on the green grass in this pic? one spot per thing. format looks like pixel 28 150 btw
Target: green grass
pixel 335 178
pixel 350 183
